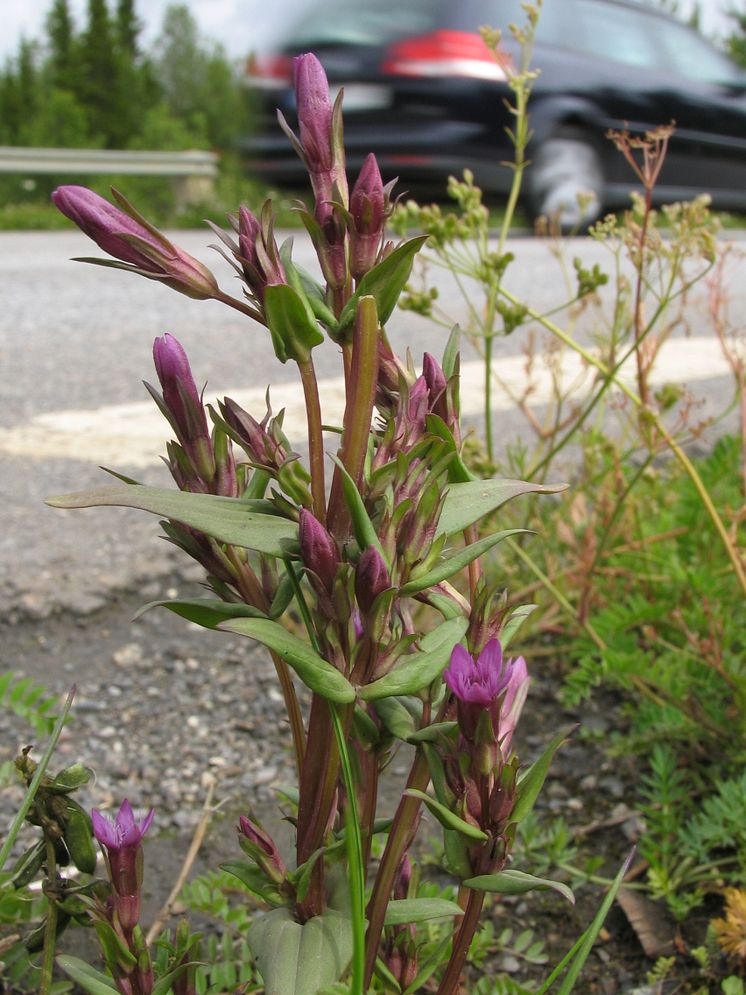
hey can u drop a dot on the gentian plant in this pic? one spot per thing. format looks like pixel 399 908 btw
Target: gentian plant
pixel 377 548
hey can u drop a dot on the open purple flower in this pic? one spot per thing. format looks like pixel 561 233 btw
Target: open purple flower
pixel 127 235
pixel 488 683
pixel 121 840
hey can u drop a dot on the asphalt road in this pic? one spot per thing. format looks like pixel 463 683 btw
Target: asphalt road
pixel 75 344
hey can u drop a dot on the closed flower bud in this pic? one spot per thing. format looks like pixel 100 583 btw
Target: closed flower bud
pixel 182 405
pixel 260 846
pixel 318 549
pixel 371 578
pixel 257 251
pixel 368 215
pixel 126 235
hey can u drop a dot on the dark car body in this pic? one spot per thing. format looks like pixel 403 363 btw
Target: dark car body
pixel 423 92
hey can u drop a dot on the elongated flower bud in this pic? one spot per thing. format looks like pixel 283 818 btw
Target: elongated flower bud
pixel 258 252
pixel 182 405
pixel 126 235
pixel 318 549
pixel 371 578
pixel 368 215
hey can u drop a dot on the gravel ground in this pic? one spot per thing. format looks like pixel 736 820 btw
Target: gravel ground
pixel 163 706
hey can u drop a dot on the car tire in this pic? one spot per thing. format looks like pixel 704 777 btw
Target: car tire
pixel 565 181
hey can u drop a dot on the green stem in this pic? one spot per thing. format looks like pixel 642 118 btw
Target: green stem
pixel 50 930
pixel 354 844
pixel 488 399
pixel 315 438
pixel 556 593
pixel 28 800
pixel 450 981
pixel 657 423
pixel 399 838
pixel 361 393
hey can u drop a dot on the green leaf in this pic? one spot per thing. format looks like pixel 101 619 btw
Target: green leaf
pixel 531 780
pixel 467 503
pixel 432 733
pixel 207 612
pixel 89 979
pixel 253 879
pixel 420 669
pixel 396 718
pixel 578 955
pixel 296 959
pixel 405 910
pixel 315 672
pixel 225 519
pixel 163 985
pixel 291 323
pixel 512 882
pixel 365 533
pixel 384 282
pixel 458 561
pixel 70 779
pixel 513 623
pixel 447 818
pixel 458 471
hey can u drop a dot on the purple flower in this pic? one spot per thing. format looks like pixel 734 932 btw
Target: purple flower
pixel 257 251
pixel 368 210
pixel 182 406
pixel 122 840
pixel 489 684
pixel 314 112
pixel 127 235
pixel 371 578
pixel 318 549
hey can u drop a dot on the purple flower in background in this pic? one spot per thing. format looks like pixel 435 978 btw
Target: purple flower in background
pixel 122 840
pixel 128 236
pixel 257 251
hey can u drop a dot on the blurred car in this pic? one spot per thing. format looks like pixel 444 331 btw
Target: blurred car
pixel 423 91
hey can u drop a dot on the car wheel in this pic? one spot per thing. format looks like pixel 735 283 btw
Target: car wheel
pixel 565 181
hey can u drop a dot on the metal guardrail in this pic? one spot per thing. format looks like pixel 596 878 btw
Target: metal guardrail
pixel 17 159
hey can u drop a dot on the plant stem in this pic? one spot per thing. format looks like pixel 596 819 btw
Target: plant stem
pixel 35 781
pixel 399 838
pixel 450 981
pixel 355 865
pixel 656 421
pixel 488 397
pixel 315 438
pixel 50 930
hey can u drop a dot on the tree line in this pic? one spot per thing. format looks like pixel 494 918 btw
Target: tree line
pixel 95 86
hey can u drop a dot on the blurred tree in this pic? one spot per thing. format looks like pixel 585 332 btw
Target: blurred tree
pixel 736 40
pixel 62 60
pixel 198 82
pixel 128 28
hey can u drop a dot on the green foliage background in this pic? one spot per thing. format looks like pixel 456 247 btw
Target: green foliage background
pixel 94 86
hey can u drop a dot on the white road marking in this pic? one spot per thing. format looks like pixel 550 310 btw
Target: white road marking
pixel 133 435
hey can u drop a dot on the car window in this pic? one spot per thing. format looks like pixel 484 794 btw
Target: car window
pixel 617 34
pixel 362 22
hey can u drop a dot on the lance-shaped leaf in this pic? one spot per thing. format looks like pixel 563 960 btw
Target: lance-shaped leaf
pixel 512 882
pixel 89 979
pixel 207 612
pixel 456 562
pixel 402 911
pixel 226 519
pixel 468 502
pixel 365 533
pixel 291 322
pixel 296 959
pixel 531 780
pixel 433 733
pixel 254 880
pixel 418 670
pixel 315 672
pixel 513 623
pixel 458 471
pixel 396 718
pixel 447 818
pixel 384 282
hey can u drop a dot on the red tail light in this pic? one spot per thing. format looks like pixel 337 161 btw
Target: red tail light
pixel 446 53
pixel 269 72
